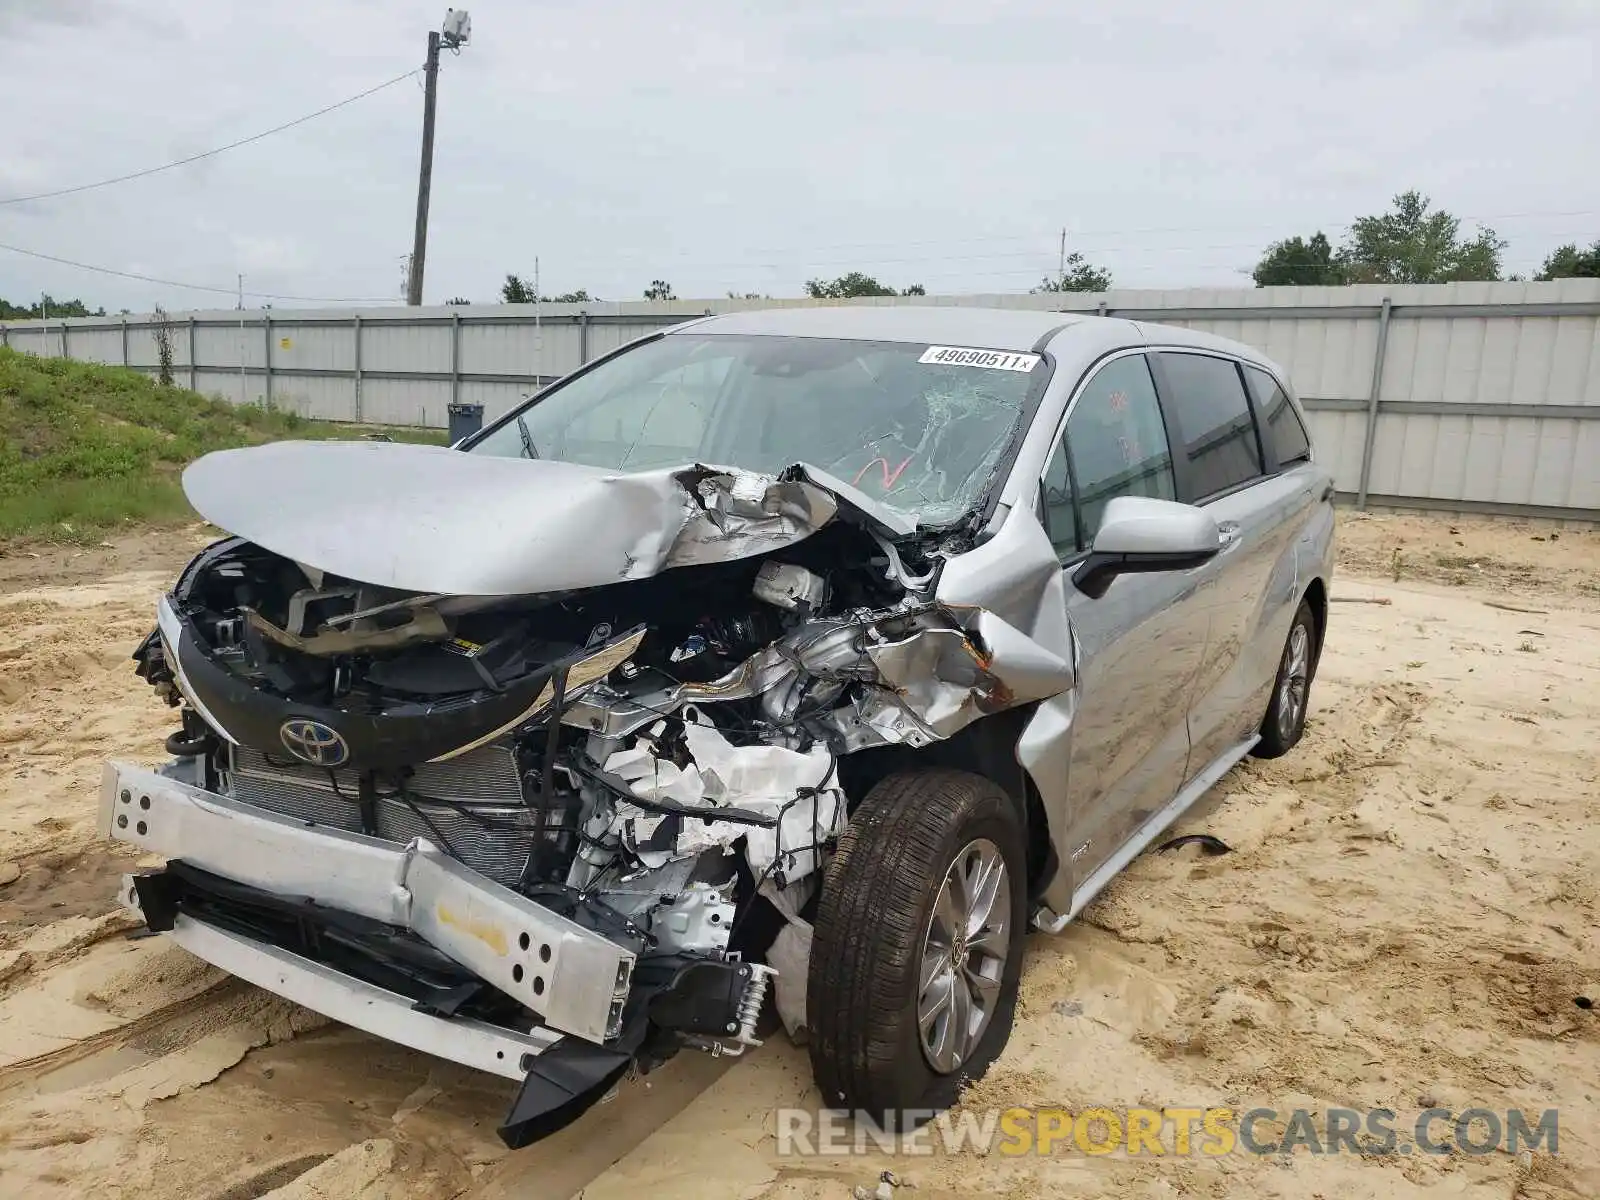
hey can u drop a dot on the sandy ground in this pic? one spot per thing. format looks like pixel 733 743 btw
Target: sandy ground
pixel 1409 919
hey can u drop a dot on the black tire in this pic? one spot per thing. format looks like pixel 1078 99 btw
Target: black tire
pixel 1280 732
pixel 873 920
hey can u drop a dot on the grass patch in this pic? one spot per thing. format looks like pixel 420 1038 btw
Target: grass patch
pixel 85 449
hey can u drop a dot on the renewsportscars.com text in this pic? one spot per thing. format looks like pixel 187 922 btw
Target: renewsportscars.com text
pixel 1176 1131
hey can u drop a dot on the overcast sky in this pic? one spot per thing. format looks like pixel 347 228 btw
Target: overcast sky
pixel 750 146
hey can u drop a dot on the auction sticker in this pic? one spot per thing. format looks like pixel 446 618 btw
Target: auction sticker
pixel 964 356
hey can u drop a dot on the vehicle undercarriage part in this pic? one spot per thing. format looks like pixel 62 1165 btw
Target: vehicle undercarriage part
pixel 496 1049
pixel 560 1087
pixel 1208 843
pixel 540 789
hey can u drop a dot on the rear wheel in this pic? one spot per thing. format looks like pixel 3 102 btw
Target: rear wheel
pixel 1291 691
pixel 918 946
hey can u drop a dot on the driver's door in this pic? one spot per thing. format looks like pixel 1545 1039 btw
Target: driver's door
pixel 1140 644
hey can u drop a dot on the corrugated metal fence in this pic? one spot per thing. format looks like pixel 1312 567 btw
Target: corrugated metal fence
pixel 1465 397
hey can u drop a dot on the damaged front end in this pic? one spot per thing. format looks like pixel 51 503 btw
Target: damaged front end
pixel 547 817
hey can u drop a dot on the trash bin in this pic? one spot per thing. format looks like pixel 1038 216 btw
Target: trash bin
pixel 465 419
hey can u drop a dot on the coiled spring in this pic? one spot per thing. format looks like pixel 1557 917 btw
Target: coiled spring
pixel 755 995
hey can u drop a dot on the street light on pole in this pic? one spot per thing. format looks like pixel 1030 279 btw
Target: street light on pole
pixel 457 32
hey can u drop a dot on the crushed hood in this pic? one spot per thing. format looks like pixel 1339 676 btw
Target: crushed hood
pixel 428 519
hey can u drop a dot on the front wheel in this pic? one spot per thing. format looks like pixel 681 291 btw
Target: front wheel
pixel 1291 690
pixel 918 946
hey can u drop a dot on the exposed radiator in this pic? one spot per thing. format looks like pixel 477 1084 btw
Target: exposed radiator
pixel 473 802
pixel 305 793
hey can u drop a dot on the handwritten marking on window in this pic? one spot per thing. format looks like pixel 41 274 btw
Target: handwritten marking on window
pixel 890 477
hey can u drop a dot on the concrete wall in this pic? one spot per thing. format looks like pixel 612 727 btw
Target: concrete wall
pixel 1464 397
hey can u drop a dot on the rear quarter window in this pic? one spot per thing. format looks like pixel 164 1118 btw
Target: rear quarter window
pixel 1284 436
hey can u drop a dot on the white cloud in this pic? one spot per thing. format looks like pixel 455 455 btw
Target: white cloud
pixel 277 255
pixel 19 17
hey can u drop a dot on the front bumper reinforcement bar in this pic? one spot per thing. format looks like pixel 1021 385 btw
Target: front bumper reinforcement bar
pixel 576 980
pixel 354 1002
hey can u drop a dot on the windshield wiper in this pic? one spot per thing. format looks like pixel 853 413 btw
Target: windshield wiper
pixel 528 448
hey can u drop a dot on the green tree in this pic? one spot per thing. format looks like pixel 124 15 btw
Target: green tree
pixel 457 302
pixel 856 283
pixel 1410 244
pixel 1307 262
pixel 48 306
pixel 659 289
pixel 517 290
pixel 1569 262
pixel 1079 276
pixel 161 330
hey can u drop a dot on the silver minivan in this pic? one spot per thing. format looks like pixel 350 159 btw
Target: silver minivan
pixel 813 654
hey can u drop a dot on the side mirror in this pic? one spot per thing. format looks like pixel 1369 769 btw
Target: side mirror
pixel 1142 534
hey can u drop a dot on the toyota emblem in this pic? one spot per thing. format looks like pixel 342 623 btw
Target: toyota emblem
pixel 313 742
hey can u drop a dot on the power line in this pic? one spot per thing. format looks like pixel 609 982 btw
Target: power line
pixel 1047 238
pixel 193 287
pixel 194 158
pixel 1147 258
pixel 1041 255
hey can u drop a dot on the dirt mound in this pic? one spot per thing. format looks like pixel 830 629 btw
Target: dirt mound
pixel 85 447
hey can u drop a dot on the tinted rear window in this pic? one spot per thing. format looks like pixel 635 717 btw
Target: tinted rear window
pixel 1216 432
pixel 1285 437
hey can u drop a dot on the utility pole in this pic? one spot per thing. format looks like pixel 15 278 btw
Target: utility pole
pixel 244 388
pixel 457 33
pixel 419 244
pixel 1061 272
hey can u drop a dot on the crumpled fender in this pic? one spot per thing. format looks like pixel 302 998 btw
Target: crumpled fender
pixel 1016 575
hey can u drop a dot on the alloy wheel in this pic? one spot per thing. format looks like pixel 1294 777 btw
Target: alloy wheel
pixel 964 956
pixel 1296 678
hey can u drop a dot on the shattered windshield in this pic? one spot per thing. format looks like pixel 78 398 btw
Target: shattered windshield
pixel 921 428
